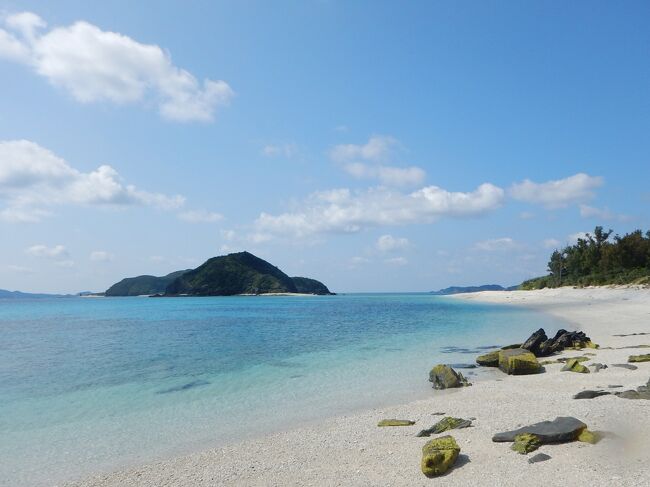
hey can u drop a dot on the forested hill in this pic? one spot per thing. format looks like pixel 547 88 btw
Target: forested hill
pixel 599 259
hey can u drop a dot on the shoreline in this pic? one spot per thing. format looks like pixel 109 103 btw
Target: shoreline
pixel 351 450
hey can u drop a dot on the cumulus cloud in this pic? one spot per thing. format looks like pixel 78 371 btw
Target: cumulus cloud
pixel 557 193
pixel 551 243
pixel 200 216
pixel 280 150
pixel 101 256
pixel 574 237
pixel 33 178
pixel 388 243
pixel 56 252
pixel 94 65
pixel 371 161
pixel 495 244
pixel 601 213
pixel 342 211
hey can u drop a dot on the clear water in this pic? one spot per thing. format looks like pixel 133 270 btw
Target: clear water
pixel 89 385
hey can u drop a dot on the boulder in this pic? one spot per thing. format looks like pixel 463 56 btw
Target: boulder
pixel 560 430
pixel 439 455
pixel 639 358
pixel 539 457
pixel 444 377
pixel 573 365
pixel 535 341
pixel 445 424
pixel 490 359
pixel 518 361
pixel 590 394
pixel 395 422
pixel 525 443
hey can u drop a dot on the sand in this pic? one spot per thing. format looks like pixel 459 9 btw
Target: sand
pixel 351 450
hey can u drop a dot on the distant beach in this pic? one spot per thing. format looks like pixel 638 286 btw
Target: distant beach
pixel 351 450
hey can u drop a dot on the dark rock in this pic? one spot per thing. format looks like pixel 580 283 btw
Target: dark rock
pixel 444 377
pixel 560 430
pixel 626 366
pixel 510 347
pixel 540 457
pixel 590 394
pixel 535 341
pixel 615 386
pixel 462 366
pixel 445 424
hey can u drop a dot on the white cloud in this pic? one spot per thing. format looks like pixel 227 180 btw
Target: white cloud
pixel 101 256
pixel 388 243
pixel 558 193
pixel 551 243
pixel 65 263
pixel 282 150
pixel 601 214
pixel 95 65
pixel 200 216
pixel 370 161
pixel 495 244
pixel 56 252
pixel 574 237
pixel 33 178
pixel 342 211
pixel 396 261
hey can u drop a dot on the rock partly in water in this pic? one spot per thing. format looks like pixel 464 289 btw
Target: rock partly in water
pixel 395 422
pixel 539 457
pixel 560 430
pixel 587 436
pixel 446 424
pixel 639 358
pixel 490 359
pixel 625 366
pixel 439 455
pixel 590 394
pixel 444 377
pixel 518 361
pixel 525 443
pixel 572 365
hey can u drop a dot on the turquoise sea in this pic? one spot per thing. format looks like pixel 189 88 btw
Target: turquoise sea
pixel 89 385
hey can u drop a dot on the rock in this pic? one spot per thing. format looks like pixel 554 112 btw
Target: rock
pixel 633 395
pixel 525 443
pixel 444 377
pixel 535 341
pixel 560 430
pixel 462 366
pixel 639 358
pixel 625 366
pixel 540 457
pixel 598 367
pixel 587 436
pixel 510 347
pixel 518 361
pixel 490 359
pixel 590 394
pixel 396 422
pixel 445 424
pixel 614 386
pixel 439 455
pixel 573 365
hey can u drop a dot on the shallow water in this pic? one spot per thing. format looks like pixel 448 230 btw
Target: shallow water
pixel 89 385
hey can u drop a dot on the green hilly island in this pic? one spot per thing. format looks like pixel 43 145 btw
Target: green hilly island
pixel 228 275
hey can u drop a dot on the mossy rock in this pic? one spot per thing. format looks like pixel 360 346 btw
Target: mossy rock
pixel 445 424
pixel 525 443
pixel 591 344
pixel 444 377
pixel 396 422
pixel 517 361
pixel 587 436
pixel 510 347
pixel 439 455
pixel 639 358
pixel 574 365
pixel 490 359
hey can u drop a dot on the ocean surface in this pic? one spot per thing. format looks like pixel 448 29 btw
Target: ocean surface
pixel 90 385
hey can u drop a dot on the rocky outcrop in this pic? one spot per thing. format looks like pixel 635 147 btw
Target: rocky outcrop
pixel 560 430
pixel 534 342
pixel 439 455
pixel 446 424
pixel 574 365
pixel 444 377
pixel 395 422
pixel 517 361
pixel 542 346
pixel 525 443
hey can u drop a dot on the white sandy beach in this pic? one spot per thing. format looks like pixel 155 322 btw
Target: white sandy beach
pixel 352 450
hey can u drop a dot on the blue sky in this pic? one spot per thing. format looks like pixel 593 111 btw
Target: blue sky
pixel 376 146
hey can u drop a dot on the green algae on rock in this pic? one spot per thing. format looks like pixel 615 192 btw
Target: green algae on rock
pixel 490 359
pixel 525 443
pixel 439 455
pixel 587 436
pixel 445 424
pixel 518 361
pixel 573 365
pixel 396 422
pixel 639 358
pixel 444 377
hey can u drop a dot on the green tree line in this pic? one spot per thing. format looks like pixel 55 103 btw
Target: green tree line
pixel 597 260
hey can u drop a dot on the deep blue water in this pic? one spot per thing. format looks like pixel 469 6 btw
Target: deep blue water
pixel 88 385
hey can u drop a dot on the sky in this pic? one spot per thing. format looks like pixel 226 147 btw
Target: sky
pixel 376 146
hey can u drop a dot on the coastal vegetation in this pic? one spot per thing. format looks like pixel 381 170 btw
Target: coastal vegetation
pixel 596 260
pixel 142 285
